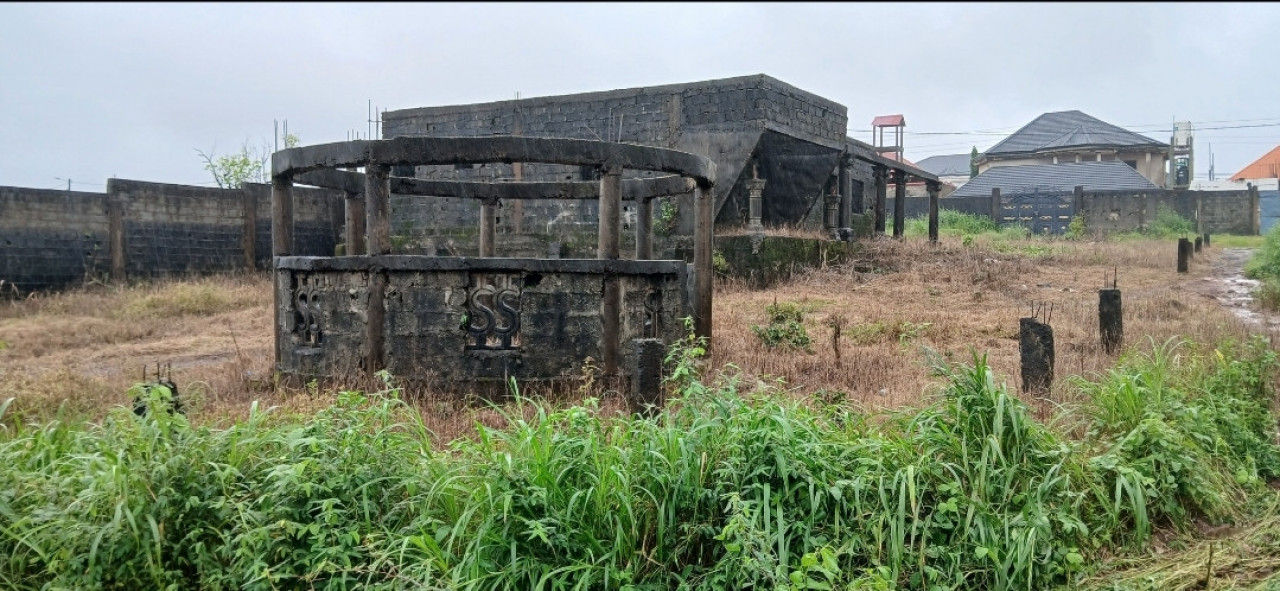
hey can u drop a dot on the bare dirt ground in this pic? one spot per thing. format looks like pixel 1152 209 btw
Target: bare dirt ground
pixel 84 348
pixel 1226 284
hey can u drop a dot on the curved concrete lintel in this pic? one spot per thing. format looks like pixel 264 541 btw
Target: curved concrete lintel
pixel 632 189
pixel 507 149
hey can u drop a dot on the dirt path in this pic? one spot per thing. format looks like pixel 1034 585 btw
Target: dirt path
pixel 1227 284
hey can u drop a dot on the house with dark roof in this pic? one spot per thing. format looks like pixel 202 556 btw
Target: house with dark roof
pixel 1056 178
pixel 1066 137
pixel 952 169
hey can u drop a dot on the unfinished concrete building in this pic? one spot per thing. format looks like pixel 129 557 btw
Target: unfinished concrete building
pixel 755 128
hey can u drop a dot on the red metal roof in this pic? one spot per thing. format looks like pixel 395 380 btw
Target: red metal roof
pixel 888 121
pixel 1265 167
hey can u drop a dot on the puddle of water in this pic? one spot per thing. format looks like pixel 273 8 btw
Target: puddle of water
pixel 1235 292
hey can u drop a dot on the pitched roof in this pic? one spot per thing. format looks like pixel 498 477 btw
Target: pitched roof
pixel 1268 166
pixel 890 120
pixel 1068 129
pixel 946 165
pixel 1094 176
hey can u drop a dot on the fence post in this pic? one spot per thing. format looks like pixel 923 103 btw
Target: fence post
pixel 1184 255
pixel 1035 343
pixel 1110 320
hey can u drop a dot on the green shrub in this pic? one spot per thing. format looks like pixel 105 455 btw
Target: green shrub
pixel 951 223
pixel 1076 229
pixel 785 329
pixel 1265 262
pixel 1168 224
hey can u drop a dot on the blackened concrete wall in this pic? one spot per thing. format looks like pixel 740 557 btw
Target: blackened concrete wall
pixel 51 238
pixel 559 310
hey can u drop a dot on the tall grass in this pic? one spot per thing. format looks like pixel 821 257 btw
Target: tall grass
pixel 951 223
pixel 1264 266
pixel 732 487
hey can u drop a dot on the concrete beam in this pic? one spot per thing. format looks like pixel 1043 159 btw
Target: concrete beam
pixel 411 151
pixel 632 189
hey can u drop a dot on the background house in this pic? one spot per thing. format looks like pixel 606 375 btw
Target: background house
pixel 1056 178
pixel 951 169
pixel 1067 137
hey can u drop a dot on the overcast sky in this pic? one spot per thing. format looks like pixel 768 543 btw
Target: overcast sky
pixel 88 91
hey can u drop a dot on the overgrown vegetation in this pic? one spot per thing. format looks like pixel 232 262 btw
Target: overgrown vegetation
pixel 730 488
pixel 1169 224
pixel 785 328
pixel 1264 266
pixel 951 223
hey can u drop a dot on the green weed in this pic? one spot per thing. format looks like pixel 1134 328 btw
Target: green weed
pixel 729 488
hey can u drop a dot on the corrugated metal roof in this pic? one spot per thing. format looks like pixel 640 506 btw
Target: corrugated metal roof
pixel 1068 129
pixel 1094 176
pixel 1268 166
pixel 946 165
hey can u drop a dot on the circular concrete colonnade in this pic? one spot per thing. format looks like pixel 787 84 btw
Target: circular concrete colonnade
pixel 368 227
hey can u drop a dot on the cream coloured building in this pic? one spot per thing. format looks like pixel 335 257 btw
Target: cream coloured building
pixel 1066 137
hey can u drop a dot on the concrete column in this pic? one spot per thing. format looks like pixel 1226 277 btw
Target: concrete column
pixel 899 204
pixel 249 226
pixel 881 178
pixel 845 179
pixel 646 383
pixel 355 220
pixel 488 227
pixel 377 203
pixel 755 202
pixel 995 206
pixel 281 216
pixel 610 213
pixel 702 243
pixel 831 209
pixel 610 229
pixel 115 237
pixel 933 210
pixel 644 229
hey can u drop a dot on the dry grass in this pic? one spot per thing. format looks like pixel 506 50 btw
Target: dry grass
pixel 85 347
pixel 956 298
